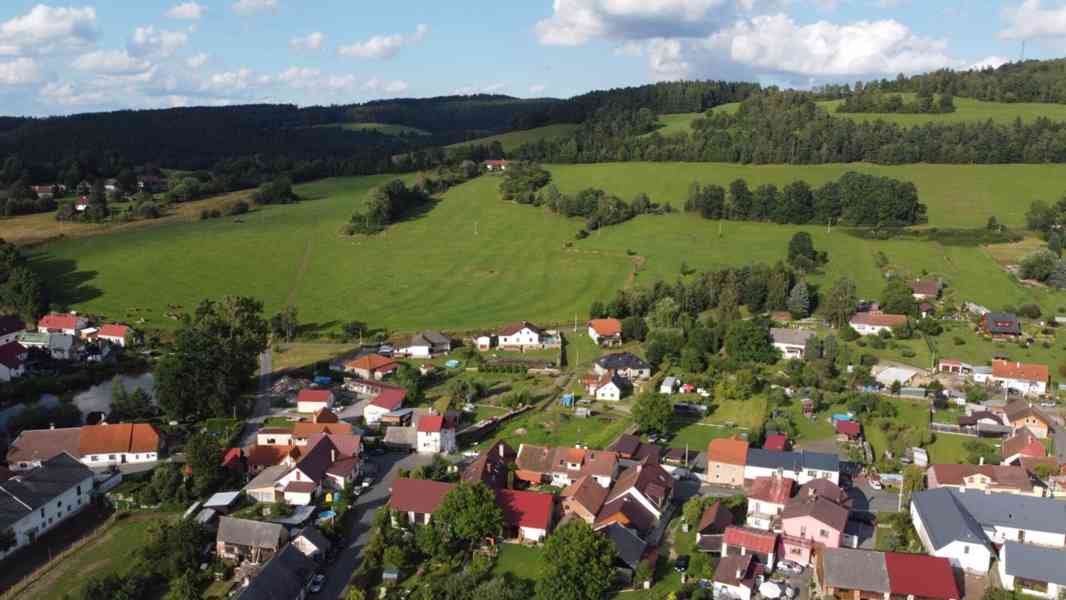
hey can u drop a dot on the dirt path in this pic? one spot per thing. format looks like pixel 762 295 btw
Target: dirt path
pixel 305 262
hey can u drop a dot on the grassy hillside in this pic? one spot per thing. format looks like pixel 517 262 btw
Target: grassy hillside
pixel 386 128
pixel 514 139
pixel 957 195
pixel 967 109
pixel 676 122
pixel 475 261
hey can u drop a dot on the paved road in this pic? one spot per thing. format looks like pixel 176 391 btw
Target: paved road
pixel 340 571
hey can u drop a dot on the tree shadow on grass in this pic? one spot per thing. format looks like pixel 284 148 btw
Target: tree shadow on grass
pixel 66 284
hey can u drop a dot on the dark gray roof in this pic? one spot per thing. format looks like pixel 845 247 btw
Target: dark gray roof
pixel 35 488
pixel 794 337
pixel 435 338
pixel 281 578
pixel 855 570
pixel 793 461
pixel 315 537
pixel 946 520
pixel 1009 319
pixel 627 544
pixel 245 532
pixel 1036 563
pixel 622 360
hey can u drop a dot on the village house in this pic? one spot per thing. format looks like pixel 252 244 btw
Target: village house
pixel 492 466
pixel 561 467
pixel 584 498
pixel 629 548
pixel 527 516
pixel 496 165
pixel 734 577
pixel 386 401
pixel 791 342
pixel 625 511
pixel 809 523
pixel 417 499
pixel 1022 444
pixel 118 335
pixel 954 366
pixel 606 332
pixel 767 497
pixel 285 575
pixel 246 540
pixel 522 335
pixel 607 387
pixel 726 461
pixel 427 344
pixel 632 450
pixel 985 478
pixel 848 573
pixel 1033 570
pixel 68 323
pixel 328 462
pixel 963 526
pixel 1021 414
pixel 436 435
pixel 371 366
pixel 1001 325
pixel 760 544
pixel 668 386
pixel 823 488
pixel 12 361
pixel 304 431
pixel 94 445
pixel 35 501
pixel 712 525
pixel 847 430
pixel 310 400
pixel 625 364
pixel 650 485
pixel 1025 378
pixel 59 346
pixel 801 466
pixel 925 289
pixel 874 322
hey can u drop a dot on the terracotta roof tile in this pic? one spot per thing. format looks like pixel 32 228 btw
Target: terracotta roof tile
pixel 606 327
pixel 730 451
pixel 421 496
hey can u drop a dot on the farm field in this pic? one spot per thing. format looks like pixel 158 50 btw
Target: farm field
pixel 514 139
pixel 966 110
pixel 474 261
pixel 676 122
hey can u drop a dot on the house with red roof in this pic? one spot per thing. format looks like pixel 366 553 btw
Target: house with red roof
pixel 371 366
pixel 875 321
pixel 387 400
pixel 418 499
pixel 767 498
pixel 760 544
pixel 847 430
pixel 311 400
pixel 68 323
pixel 119 335
pixel 606 332
pixel 1028 379
pixel 848 573
pixel 776 442
pixel 527 516
pixel 1022 444
pixel 435 435
pixel 496 165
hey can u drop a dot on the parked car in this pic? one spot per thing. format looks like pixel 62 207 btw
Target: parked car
pixel 681 564
pixel 789 567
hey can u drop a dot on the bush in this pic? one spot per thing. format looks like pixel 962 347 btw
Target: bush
pixel 848 334
pixel 958 341
pixel 1029 311
pixel 205 214
pixel 868 360
pixel 582 234
pixel 237 208
pixel 906 352
pixel 216 213
pixel 877 342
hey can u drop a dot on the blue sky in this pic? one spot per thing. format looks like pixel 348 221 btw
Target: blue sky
pixel 95 55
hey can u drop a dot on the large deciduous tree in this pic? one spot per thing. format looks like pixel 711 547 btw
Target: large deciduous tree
pixel 469 514
pixel 652 412
pixel 214 357
pixel 749 341
pixel 839 303
pixel 577 564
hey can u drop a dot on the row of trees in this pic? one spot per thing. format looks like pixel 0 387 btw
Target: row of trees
pixel 788 127
pixel 875 102
pixel 385 205
pixel 853 199
pixel 1021 81
pixel 22 292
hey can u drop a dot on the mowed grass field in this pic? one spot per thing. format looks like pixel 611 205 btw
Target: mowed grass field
pixel 474 261
pixel 514 139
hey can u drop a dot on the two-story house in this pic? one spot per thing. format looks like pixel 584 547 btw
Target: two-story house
pixel 247 540
pixel 36 501
pixel 435 435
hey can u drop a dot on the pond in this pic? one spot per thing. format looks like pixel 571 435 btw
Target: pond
pixel 96 398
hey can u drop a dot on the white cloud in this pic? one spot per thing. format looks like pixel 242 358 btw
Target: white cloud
pixel 537 88
pixel 111 62
pixel 46 28
pixel 300 77
pixel 230 81
pixel 341 82
pixel 823 49
pixel 148 41
pixel 1031 20
pixel 311 41
pixel 988 62
pixel 19 71
pixel 378 86
pixel 67 95
pixel 827 5
pixel 666 59
pixel 186 11
pixel 197 60
pixel 247 8
pixel 384 46
pixel 575 22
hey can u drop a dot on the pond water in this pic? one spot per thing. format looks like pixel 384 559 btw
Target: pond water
pixel 96 398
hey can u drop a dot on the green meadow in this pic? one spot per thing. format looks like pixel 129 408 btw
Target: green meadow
pixel 473 261
pixel 385 128
pixel 514 139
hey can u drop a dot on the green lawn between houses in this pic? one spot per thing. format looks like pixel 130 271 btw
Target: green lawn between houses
pixel 490 262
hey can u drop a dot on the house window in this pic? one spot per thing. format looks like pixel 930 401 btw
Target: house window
pixel 823 533
pixel 965 549
pixel 79 490
pixel 111 456
pixel 42 513
pixel 803 530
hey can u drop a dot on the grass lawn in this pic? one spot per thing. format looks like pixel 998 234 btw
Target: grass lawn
pixel 696 435
pixel 111 553
pixel 554 427
pixel 519 560
pixel 914 415
pixel 676 122
pixel 947 448
pixel 296 355
pixel 514 139
pixel 746 414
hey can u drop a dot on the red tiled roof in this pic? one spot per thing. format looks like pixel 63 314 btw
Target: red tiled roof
pixel 58 321
pixel 879 319
pixel 310 395
pixel 268 456
pixel 115 331
pixel 926 287
pixel 421 496
pixel 848 428
pixel 756 540
pixel 118 438
pixel 370 362
pixel 606 327
pixel 300 487
pixel 921 575
pixel 496 162
pixel 389 398
pixel 731 451
pixel 1018 370
pixel 772 489
pixel 776 442
pixel 430 424
pixel 306 430
pixel 526 509
pixel 1024 443
pixel 715 518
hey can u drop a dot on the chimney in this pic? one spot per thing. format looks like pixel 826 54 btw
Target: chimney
pixel 740 574
pixel 981 461
pixel 333 455
pixel 51 425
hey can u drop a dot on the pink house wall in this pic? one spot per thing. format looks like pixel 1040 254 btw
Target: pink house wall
pixel 811 529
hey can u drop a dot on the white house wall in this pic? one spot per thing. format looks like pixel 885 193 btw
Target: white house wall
pixel 52 513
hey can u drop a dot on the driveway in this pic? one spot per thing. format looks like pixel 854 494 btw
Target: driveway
pixel 340 571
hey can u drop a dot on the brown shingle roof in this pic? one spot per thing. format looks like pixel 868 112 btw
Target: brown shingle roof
pixel 513 328
pixel 37 445
pixel 536 459
pixel 649 479
pixel 490 467
pixel 626 511
pixel 421 496
pixel 715 519
pixel 820 509
pixel 1001 476
pixel 587 493
pixel 776 490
